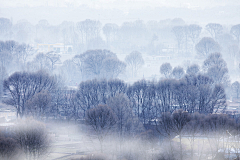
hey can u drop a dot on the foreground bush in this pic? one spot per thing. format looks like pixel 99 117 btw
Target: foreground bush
pixel 32 138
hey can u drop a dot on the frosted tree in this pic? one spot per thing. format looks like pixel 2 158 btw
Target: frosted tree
pixel 134 60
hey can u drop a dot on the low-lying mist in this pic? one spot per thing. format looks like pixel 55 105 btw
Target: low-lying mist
pixel 176 136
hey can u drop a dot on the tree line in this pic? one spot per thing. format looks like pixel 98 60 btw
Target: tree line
pixel 149 37
pixel 39 92
pixel 146 109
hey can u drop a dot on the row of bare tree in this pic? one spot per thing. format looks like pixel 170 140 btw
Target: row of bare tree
pixel 39 94
pixel 88 65
pixel 137 35
pixel 174 136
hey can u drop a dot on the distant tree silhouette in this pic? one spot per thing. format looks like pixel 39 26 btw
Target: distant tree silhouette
pixel 101 119
pixel 235 31
pixel 166 69
pixel 178 72
pixel 134 60
pixel 235 87
pixel 206 46
pixel 214 29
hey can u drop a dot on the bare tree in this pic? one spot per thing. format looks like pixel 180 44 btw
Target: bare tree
pixel 87 95
pixel 70 72
pixel 110 31
pixel 179 32
pixel 3 75
pixel 5 58
pixel 39 104
pixel 214 29
pixel 11 46
pixel 101 119
pixel 69 106
pixel 93 92
pixel 193 93
pixel 116 86
pixel 216 68
pixel 136 93
pixel 235 31
pixel 165 126
pixel 216 128
pixel 206 46
pixel 23 52
pixel 88 29
pixel 178 72
pixel 166 69
pixel 113 67
pixel 54 58
pixel 180 119
pixel 132 35
pixel 40 62
pixel 194 32
pixel 23 86
pixel 194 129
pixel 120 105
pixel 165 95
pixel 235 87
pixel 234 52
pixel 67 32
pixel 135 61
pixel 78 60
pixel 5 27
pixel 42 29
pixel 94 66
pixel 193 69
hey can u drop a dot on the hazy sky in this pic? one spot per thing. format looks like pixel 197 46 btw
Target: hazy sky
pixel 120 4
pixel 117 11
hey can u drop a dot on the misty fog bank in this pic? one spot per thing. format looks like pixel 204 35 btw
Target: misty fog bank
pixel 55 15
